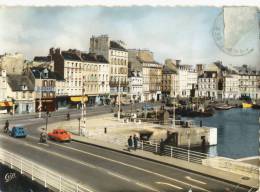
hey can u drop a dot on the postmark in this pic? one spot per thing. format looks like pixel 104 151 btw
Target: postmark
pixel 242 47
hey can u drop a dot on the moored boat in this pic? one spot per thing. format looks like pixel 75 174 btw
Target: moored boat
pixel 223 107
pixel 247 105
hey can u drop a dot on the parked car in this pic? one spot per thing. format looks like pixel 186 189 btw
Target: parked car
pixel 59 135
pixel 17 132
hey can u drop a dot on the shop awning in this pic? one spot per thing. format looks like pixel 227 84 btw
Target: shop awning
pixel 78 99
pixel 6 104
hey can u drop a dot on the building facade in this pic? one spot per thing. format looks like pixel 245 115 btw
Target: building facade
pixel 136 86
pixel 231 86
pixel 116 54
pixel 208 85
pixel 188 80
pixel 170 81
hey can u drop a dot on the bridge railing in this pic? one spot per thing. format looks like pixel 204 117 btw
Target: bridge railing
pixel 40 174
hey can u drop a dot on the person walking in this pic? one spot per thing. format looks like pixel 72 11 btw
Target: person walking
pixel 135 142
pixel 161 147
pixel 6 126
pixel 130 142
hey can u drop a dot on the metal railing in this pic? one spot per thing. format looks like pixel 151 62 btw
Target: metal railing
pixel 173 152
pixel 44 176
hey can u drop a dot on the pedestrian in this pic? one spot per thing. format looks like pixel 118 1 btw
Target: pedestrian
pixel 130 142
pixel 190 189
pixel 161 147
pixel 135 142
pixel 6 126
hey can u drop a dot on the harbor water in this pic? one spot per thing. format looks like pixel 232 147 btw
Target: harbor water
pixel 238 132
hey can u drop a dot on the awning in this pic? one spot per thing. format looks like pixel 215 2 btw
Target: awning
pixel 6 104
pixel 79 99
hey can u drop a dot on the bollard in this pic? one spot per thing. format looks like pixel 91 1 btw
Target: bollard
pixel 105 130
pixel 200 123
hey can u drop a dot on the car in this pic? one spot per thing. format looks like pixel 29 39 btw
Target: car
pixel 59 135
pixel 17 132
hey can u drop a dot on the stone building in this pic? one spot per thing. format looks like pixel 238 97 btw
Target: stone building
pixel 12 63
pixel 188 80
pixel 21 90
pixel 79 69
pixel 208 85
pixel 136 86
pixel 231 86
pixel 44 82
pixel 151 71
pixel 170 80
pixel 116 54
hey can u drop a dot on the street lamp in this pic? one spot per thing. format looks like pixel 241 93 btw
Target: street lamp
pixel 188 135
pixel 47 116
pixel 79 125
pixel 40 98
pixel 119 102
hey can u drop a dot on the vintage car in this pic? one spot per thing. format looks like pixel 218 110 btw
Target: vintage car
pixel 17 132
pixel 59 135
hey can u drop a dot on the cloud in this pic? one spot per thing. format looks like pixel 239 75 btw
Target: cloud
pixel 170 32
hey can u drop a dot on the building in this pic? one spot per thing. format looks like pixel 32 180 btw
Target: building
pixel 81 70
pixel 6 101
pixel 12 63
pixel 44 82
pixel 151 71
pixel 188 80
pixel 21 90
pixel 249 85
pixel 231 86
pixel 116 54
pixel 170 80
pixel 208 85
pixel 136 86
pixel 42 61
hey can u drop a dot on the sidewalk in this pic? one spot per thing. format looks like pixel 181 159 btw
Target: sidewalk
pixel 204 170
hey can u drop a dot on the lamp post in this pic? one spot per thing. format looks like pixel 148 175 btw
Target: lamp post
pixel 79 125
pixel 47 116
pixel 188 135
pixel 119 102
pixel 40 98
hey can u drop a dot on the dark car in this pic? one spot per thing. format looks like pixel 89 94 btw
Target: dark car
pixel 18 132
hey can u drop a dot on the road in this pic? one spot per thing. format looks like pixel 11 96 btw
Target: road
pixel 105 170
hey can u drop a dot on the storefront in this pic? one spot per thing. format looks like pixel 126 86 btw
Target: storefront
pixel 6 107
pixel 47 105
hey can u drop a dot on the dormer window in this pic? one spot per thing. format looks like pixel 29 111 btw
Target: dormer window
pixel 45 73
pixel 24 87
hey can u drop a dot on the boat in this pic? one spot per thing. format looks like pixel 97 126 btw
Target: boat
pixel 247 105
pixel 223 107
pixel 256 106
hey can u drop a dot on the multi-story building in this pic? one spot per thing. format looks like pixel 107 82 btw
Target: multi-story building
pixel 170 80
pixel 6 101
pixel 44 82
pixel 151 71
pixel 12 63
pixel 136 86
pixel 231 86
pixel 81 70
pixel 187 80
pixel 249 85
pixel 116 54
pixel 208 85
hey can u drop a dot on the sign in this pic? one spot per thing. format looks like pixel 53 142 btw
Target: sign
pixel 9 177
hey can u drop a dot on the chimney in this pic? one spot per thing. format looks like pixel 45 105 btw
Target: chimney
pixel 51 51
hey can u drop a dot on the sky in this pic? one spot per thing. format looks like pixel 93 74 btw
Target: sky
pixel 183 33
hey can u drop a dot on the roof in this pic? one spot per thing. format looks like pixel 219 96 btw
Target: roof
pixel 92 57
pixel 42 58
pixel 51 75
pixel 168 70
pixel 17 81
pixel 69 55
pixel 208 74
pixel 117 46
